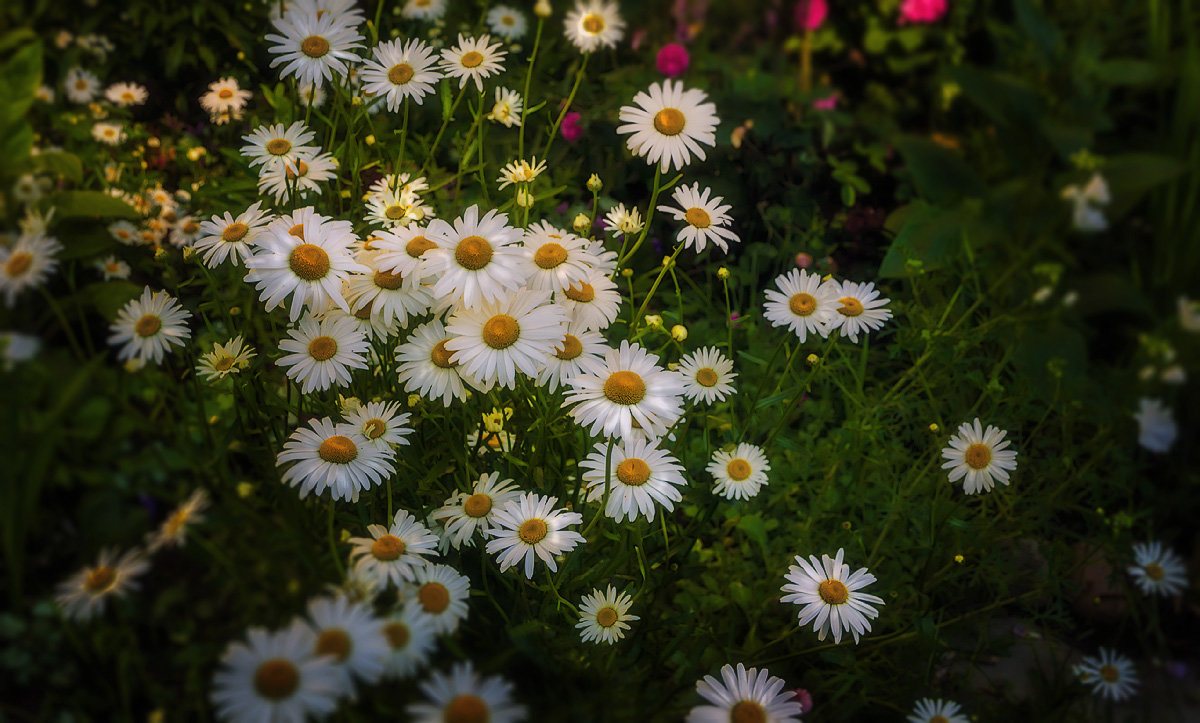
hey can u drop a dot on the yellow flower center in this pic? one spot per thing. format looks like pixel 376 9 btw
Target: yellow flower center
pixel 18 263
pixel 747 711
pixel 224 94
pixel 697 217
pixel 127 97
pixel 314 46
pixel 833 592
pixel 309 262
pixel 81 84
pixel 466 708
pixel 501 331
pixel 472 59
pixel 335 643
pixel 1109 673
pixel 397 635
pixel 532 531
pixel 100 579
pixel 191 227
pixel 939 719
pixel 365 312
pixel 669 122
pixel 434 597
pixel 400 73
pixel 1154 571
pixel 633 472
pixel 338 450
pixel 276 679
pixel 278 146
pixel 394 213
pixel 374 428
pixel 223 364
pixel 235 232
pixel 850 306
pixel 571 348
pixel 301 170
pixel 388 548
pixel 802 304
pixel 418 245
pixel 592 23
pixel 707 377
pixel 549 255
pixel 606 618
pixel 440 355
pixel 322 348
pixel 388 280
pixel 477 505
pixel 473 253
pixel 148 325
pixel 738 470
pixel 978 456
pixel 624 387
pixel 585 293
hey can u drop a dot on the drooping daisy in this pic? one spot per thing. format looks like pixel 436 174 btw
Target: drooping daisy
pixel 424 9
pixel 231 238
pixel 507 109
pixel 276 147
pixel 334 457
pixel 308 263
pixel 85 593
pixel 604 616
pixel 1157 429
pixel 462 514
pixel 348 633
pixel 81 86
pixel 381 422
pixel 296 180
pixel 668 124
pixel 225 359
pixel 322 353
pixel 705 219
pixel 631 388
pixel 830 596
pixel 859 309
pixel 473 59
pixel 594 24
pixel 495 340
pixel 426 367
pixel 578 352
pixel 464 695
pixel 147 326
pixel 108 133
pixel 928 710
pixel 174 529
pixel 26 264
pixel 803 304
pixel 224 100
pixel 530 526
pixel 740 474
pixel 555 259
pixel 411 637
pixel 442 594
pixel 621 221
pixel 312 46
pixel 520 171
pixel 386 294
pixel 126 94
pixel 1158 570
pixel 980 456
pixel 275 677
pixel 745 695
pixel 591 304
pixel 401 70
pixel 113 268
pixel 640 476
pixel 476 259
pixel 392 554
pixel 707 375
pixel 1110 674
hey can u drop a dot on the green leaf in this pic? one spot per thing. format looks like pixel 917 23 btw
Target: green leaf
pixel 938 173
pixel 1038 29
pixel 66 165
pixel 1130 176
pixel 930 235
pixel 72 204
pixel 20 77
pixel 15 145
pixel 755 529
pixel 1127 71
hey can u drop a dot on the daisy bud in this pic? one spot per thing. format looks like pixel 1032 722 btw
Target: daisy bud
pixel 235 310
pixel 812 359
pixel 346 193
pixel 582 223
pixel 414 400
pixel 722 273
pixel 370 140
pixel 524 199
pixel 934 428
pixel 245 489
pixel 627 272
pixel 594 184
pixel 654 321
pixel 959 559
pixel 542 9
pixel 160 253
pixel 679 332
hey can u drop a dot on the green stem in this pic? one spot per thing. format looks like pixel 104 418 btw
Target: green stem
pixel 661 274
pixel 537 39
pixel 566 106
pixel 441 131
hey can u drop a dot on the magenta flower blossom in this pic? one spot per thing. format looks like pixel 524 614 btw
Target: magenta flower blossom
pixel 570 129
pixel 809 14
pixel 827 103
pixel 672 60
pixel 922 11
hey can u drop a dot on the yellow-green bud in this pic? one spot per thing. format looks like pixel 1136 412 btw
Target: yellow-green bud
pixel 679 332
pixel 594 184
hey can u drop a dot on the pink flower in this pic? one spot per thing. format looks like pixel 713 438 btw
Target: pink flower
pixel 570 128
pixel 922 11
pixel 809 14
pixel 828 103
pixel 801 696
pixel 672 60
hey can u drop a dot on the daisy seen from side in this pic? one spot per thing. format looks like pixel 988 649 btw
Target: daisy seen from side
pixel 604 616
pixel 668 124
pixel 830 597
pixel 174 529
pixel 148 326
pixel 507 109
pixel 744 695
pixel 225 359
pixel 126 94
pixel 381 422
pixel 979 457
pixel 529 528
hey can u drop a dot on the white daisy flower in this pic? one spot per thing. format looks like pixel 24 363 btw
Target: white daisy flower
pixel 401 70
pixel 1088 214
pixel 441 592
pixel 639 476
pixel 81 86
pixel 464 695
pixel 225 359
pixel 297 180
pixel 313 46
pixel 392 554
pixel 859 309
pixel 323 353
pixel 113 268
pixel 495 340
pixel 740 474
pixel 424 9
pixel 174 529
pixel 385 294
pixel 224 100
pixel 348 633
pixel 577 353
pixel 426 367
pixel 124 232
pixel 126 94
pixel 401 250
pixel 803 304
pixel 520 171
pixel 411 637
pixel 668 124
pixel 381 422
pixel 631 389
pixel 473 59
pixel 275 147
pixel 84 594
pixel 829 596
pixel 507 109
pixel 44 93
pixel 1158 570
pixel 928 710
pixel 604 616
pixel 310 95
pixel 1157 429
pixel 745 695
pixel 555 259
pixel 307 263
pixel 146 327
pixel 275 677
pixel 594 24
pixel 476 260
pixel 507 22
pixel 707 375
pixel 334 457
pixel 108 133
pixel 705 219
pixel 396 208
pixel 185 232
pixel 231 238
pixel 26 264
pixel 529 526
pixel 980 456
pixel 621 221
pixel 1111 675
pixel 462 514
pixel 591 304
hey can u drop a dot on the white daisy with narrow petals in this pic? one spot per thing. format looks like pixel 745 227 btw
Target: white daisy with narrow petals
pixel 705 219
pixel 555 259
pixel 334 457
pixel 707 375
pixel 348 633
pixel 859 309
pixel 312 46
pixel 1157 570
pixel 84 594
pixel 1110 674
pixel 464 695
pixel 26 264
pixel 225 359
pixel 744 695
pixel 495 340
pixel 227 237
pixel 411 637
pixel 578 352
pixel 830 597
pixel 126 94
pixel 604 616
pixel 402 250
pixel 393 554
pixel 322 353
pixel 148 326
pixel 274 146
pixel 637 478
pixel 384 294
pixel 507 22
pixel 928 710
pixel 473 59
pixel 462 514
pixel 739 473
pixel 594 24
pixel 529 528
pixel 441 592
pixel 476 260
pixel 591 304
pixel 802 304
pixel 426 365
pixel 381 422
pixel 632 389
pixel 979 457
pixel 400 70
pixel 668 124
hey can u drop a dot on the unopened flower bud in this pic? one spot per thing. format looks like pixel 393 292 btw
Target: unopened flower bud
pixel 594 184
pixel 581 223
pixel 679 332
pixel 542 9
pixel 654 321
pixel 722 273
